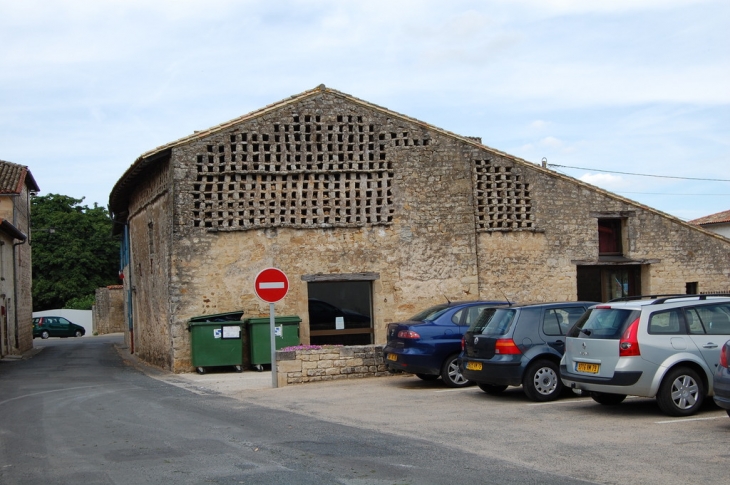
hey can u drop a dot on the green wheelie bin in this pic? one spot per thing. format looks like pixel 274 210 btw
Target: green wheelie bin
pixel 286 334
pixel 217 341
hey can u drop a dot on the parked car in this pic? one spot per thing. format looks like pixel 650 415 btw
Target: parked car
pixel 520 345
pixel 722 379
pixel 428 344
pixel 45 327
pixel 667 347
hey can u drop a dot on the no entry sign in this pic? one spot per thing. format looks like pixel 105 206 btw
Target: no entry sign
pixel 271 285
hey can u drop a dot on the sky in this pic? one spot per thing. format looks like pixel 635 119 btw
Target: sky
pixel 630 95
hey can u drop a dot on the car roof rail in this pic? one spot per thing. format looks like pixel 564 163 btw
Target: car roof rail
pixel 699 297
pixel 644 297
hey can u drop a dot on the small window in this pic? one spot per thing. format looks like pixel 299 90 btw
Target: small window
pixel 694 322
pixel 715 318
pixel 690 288
pixel 603 323
pixel 552 321
pixel 494 322
pixel 558 321
pixel 666 323
pixel 469 315
pixel 609 237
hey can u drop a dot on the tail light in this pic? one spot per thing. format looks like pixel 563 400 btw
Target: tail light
pixel 408 334
pixel 506 346
pixel 463 343
pixel 724 357
pixel 628 346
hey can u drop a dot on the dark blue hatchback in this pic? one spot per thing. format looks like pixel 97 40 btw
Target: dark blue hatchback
pixel 428 344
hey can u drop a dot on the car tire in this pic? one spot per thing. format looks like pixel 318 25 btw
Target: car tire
pixel 451 374
pixel 200 370
pixel 681 392
pixel 608 399
pixel 45 334
pixel 427 377
pixel 542 382
pixel 491 389
pixel 78 333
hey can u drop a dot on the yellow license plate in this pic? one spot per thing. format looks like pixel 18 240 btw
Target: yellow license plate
pixel 474 366
pixel 587 368
pixel 392 357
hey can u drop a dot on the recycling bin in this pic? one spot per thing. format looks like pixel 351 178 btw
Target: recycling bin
pixel 286 334
pixel 217 341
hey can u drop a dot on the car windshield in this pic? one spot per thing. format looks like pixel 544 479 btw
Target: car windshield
pixel 603 323
pixel 494 321
pixel 430 314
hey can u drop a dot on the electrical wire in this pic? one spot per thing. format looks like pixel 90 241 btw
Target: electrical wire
pixel 638 174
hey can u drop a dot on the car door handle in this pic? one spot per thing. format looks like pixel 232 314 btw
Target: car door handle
pixel 710 345
pixel 559 342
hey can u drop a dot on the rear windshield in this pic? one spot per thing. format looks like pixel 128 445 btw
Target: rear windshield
pixel 430 313
pixel 603 323
pixel 493 321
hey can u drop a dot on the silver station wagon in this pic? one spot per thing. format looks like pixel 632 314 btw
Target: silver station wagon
pixel 667 347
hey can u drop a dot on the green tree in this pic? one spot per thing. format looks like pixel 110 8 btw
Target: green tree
pixel 74 252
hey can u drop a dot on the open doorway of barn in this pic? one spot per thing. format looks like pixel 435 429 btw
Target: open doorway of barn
pixel 340 312
pixel 608 282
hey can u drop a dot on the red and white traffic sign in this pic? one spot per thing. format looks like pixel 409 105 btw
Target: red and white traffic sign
pixel 271 285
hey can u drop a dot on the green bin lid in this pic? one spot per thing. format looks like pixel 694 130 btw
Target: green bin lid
pixel 219 317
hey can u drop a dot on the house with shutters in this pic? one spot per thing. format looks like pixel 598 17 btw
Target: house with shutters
pixel 374 216
pixel 16 299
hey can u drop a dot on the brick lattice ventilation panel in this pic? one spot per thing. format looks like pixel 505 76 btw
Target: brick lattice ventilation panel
pixel 308 173
pixel 502 198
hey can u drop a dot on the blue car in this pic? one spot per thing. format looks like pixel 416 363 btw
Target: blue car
pixel 722 379
pixel 429 343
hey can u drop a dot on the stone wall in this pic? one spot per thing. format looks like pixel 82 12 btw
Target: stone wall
pixel 150 229
pixel 329 364
pixel 108 311
pixel 406 217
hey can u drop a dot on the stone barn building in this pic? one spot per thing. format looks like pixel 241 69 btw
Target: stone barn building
pixel 374 216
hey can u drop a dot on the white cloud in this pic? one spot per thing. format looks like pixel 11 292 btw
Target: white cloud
pixel 604 180
pixel 551 142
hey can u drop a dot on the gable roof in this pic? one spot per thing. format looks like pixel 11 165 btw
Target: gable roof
pixel 13 177
pixel 119 196
pixel 717 218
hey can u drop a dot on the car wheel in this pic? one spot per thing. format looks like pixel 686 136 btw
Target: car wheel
pixel 45 334
pixel 78 333
pixel 427 377
pixel 608 399
pixel 491 389
pixel 681 392
pixel 542 382
pixel 451 375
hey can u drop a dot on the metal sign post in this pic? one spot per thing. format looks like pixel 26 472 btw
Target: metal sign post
pixel 272 285
pixel 272 333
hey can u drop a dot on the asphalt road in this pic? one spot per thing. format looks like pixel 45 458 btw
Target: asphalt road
pixel 79 413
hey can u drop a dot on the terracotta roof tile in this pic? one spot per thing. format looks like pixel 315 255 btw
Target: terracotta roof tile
pixel 13 176
pixel 718 218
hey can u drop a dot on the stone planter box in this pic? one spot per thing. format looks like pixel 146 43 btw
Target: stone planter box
pixel 329 363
